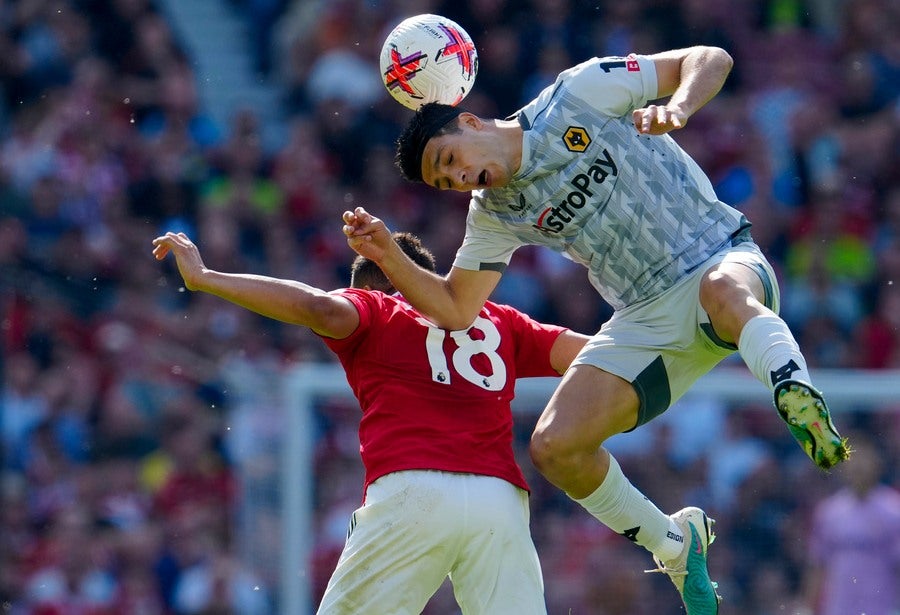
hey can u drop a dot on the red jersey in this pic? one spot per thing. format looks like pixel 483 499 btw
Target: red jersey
pixel 434 399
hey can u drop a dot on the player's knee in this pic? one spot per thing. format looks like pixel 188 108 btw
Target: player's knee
pixel 552 452
pixel 726 287
pixel 717 287
pixel 721 293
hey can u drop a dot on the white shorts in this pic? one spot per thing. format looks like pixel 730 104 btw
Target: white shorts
pixel 419 526
pixel 663 345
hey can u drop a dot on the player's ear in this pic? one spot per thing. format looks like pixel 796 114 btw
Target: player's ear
pixel 471 120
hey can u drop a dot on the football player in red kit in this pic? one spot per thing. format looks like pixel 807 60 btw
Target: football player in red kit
pixel 443 494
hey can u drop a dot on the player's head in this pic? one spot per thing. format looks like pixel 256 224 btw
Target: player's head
pixel 364 273
pixel 431 120
pixel 451 149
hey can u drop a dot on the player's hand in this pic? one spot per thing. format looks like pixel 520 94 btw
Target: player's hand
pixel 187 256
pixel 367 235
pixel 658 119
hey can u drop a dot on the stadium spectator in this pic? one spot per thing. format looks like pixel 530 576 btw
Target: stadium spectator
pixel 854 542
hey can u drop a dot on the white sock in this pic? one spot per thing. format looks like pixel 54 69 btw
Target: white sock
pixel 621 507
pixel 771 352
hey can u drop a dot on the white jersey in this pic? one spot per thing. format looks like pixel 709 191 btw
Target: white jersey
pixel 636 210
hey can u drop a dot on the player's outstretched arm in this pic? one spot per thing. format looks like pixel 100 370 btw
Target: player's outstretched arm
pixel 285 300
pixel 450 302
pixel 690 77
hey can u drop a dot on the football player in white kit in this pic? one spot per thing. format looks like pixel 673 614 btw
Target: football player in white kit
pixel 588 170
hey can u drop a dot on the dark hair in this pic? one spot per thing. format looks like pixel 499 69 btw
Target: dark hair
pixel 364 272
pixel 431 120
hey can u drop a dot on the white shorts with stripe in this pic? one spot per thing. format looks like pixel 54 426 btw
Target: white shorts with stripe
pixel 419 526
pixel 662 346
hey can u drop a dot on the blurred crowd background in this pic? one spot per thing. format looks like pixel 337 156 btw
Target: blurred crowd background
pixel 141 424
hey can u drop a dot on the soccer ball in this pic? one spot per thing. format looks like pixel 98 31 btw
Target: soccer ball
pixel 428 58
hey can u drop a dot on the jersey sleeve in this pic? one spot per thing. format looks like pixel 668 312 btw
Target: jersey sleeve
pixel 367 304
pixel 613 85
pixel 534 341
pixel 488 245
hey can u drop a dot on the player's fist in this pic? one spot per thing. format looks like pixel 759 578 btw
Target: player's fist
pixel 367 235
pixel 658 119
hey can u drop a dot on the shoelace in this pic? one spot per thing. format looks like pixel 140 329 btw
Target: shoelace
pixel 660 567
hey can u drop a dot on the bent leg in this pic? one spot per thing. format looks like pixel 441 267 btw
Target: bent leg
pixel 733 294
pixel 589 406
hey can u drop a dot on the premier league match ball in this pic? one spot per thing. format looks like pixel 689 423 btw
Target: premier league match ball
pixel 428 58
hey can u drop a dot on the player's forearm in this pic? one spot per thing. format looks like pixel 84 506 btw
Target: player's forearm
pixel 703 73
pixel 431 294
pixel 284 300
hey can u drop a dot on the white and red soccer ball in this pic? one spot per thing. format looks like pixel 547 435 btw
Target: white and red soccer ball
pixel 428 58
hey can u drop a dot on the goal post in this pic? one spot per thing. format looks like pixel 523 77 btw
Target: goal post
pixel 857 390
